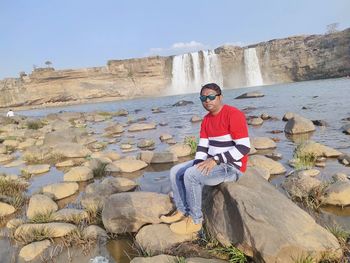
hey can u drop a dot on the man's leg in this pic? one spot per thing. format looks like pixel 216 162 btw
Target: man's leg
pixel 179 192
pixel 194 182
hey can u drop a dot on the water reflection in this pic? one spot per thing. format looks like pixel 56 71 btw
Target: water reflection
pixel 121 250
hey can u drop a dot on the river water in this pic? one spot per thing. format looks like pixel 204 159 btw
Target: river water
pixel 326 100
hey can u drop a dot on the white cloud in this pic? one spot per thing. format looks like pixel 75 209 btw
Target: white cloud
pixel 178 48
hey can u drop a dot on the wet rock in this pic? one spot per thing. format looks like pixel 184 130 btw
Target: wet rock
pixel 337 193
pixel 141 127
pixel 265 116
pixel 270 165
pixel 158 259
pixel 61 190
pixel 298 124
pixel 300 185
pixel 135 209
pixel 182 103
pixel 146 143
pixel 114 129
pixel 71 150
pixel 157 157
pixel 158 238
pixel 257 210
pixel 78 174
pixel 52 229
pixel 180 149
pixel 165 136
pixel 36 169
pixel 344 159
pixel 196 118
pixel 129 166
pixel 346 129
pixel 6 209
pixel 33 250
pixel 40 204
pixel 255 121
pixel 248 95
pixel 288 116
pixel 317 149
pixel 263 143
pixel 94 232
pixel 320 123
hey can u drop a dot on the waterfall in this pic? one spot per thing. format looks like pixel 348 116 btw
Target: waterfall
pixel 252 68
pixel 191 71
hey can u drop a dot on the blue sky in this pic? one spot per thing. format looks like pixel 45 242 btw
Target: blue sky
pixel 77 33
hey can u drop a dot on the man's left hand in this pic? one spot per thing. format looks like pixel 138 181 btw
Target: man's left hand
pixel 206 166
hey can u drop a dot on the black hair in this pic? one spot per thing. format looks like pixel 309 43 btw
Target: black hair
pixel 212 86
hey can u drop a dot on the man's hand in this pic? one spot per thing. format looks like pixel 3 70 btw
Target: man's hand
pixel 206 166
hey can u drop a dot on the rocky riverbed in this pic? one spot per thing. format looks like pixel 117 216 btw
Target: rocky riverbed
pixel 82 184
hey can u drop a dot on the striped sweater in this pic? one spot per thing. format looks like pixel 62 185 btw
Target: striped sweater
pixel 226 136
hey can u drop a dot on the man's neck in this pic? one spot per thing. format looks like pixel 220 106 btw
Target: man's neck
pixel 218 110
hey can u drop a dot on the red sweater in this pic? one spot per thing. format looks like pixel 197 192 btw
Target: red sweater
pixel 226 136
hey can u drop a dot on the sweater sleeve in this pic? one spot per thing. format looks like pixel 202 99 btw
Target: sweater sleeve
pixel 239 132
pixel 203 145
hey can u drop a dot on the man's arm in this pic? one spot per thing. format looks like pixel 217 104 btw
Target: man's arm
pixel 203 145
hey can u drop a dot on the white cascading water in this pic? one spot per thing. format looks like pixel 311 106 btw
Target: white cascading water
pixel 252 68
pixel 189 74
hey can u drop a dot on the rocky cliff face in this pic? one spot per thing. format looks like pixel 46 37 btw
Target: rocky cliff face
pixel 281 60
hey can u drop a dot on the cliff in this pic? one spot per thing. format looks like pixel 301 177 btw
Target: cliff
pixel 281 60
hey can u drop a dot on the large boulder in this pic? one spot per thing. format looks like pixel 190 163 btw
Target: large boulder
pixel 40 204
pixel 77 174
pixel 158 238
pixel 317 149
pixel 134 209
pixel 254 216
pixel 337 194
pixel 33 250
pixel 260 161
pixel 298 124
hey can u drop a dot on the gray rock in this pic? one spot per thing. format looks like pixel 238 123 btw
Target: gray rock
pixel 298 124
pixel 248 95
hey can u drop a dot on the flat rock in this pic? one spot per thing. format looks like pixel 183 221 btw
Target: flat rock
pixel 263 143
pixel 338 194
pixel 158 238
pixel 320 150
pixel 298 124
pixel 260 161
pixel 141 127
pixel 36 169
pixel 78 174
pixel 157 157
pixel 6 209
pixel 129 165
pixel 249 95
pixel 53 229
pixel 61 190
pixel 40 204
pixel 180 149
pixel 33 250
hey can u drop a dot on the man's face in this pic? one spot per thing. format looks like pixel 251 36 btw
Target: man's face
pixel 211 105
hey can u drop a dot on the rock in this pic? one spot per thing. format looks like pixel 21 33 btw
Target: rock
pixel 135 209
pixel 340 177
pixel 14 223
pixel 263 143
pixel 114 156
pixel 70 215
pixel 129 166
pixel 165 136
pixel 317 149
pixel 255 121
pixel 78 174
pixel 145 143
pixel 346 129
pixel 114 129
pixel 254 210
pixel 288 116
pixel 274 156
pixel 158 238
pixel 121 112
pixel 6 209
pixel 337 193
pixel 320 123
pixel 69 163
pixel 180 149
pixel 141 127
pixel 204 260
pixel 94 232
pixel 182 103
pixel 27 143
pixel 112 168
pixel 33 250
pixel 344 159
pixel 300 185
pixel 71 150
pixel 298 124
pixel 309 172
pixel 248 95
pixel 61 190
pixel 265 116
pixel 196 118
pixel 270 165
pixel 155 259
pixel 120 184
pixel 157 157
pixel 14 163
pixel 69 135
pixel 36 169
pixel 52 229
pixel 6 158
pixel 11 143
pixel 40 204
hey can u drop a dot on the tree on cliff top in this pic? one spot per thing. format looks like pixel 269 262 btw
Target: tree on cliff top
pixel 48 63
pixel 332 28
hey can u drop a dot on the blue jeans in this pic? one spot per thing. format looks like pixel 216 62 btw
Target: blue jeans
pixel 187 183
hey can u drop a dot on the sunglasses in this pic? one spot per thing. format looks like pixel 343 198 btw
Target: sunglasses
pixel 204 98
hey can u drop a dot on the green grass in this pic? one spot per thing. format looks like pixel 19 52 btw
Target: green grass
pixel 51 158
pixel 303 160
pixel 305 259
pixel 180 260
pixel 191 141
pixel 105 113
pixel 314 198
pixel 100 170
pixel 34 234
pixel 35 124
pixel 233 254
pixel 11 188
pixel 339 233
pixel 94 216
pixel 45 217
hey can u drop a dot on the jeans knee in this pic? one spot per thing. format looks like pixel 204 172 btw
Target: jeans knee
pixel 192 175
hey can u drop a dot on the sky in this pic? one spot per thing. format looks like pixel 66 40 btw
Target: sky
pixel 85 33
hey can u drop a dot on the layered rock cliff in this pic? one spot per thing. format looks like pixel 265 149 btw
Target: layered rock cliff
pixel 281 60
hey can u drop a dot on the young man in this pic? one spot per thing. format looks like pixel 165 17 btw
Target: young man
pixel 10 113
pixel 221 156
